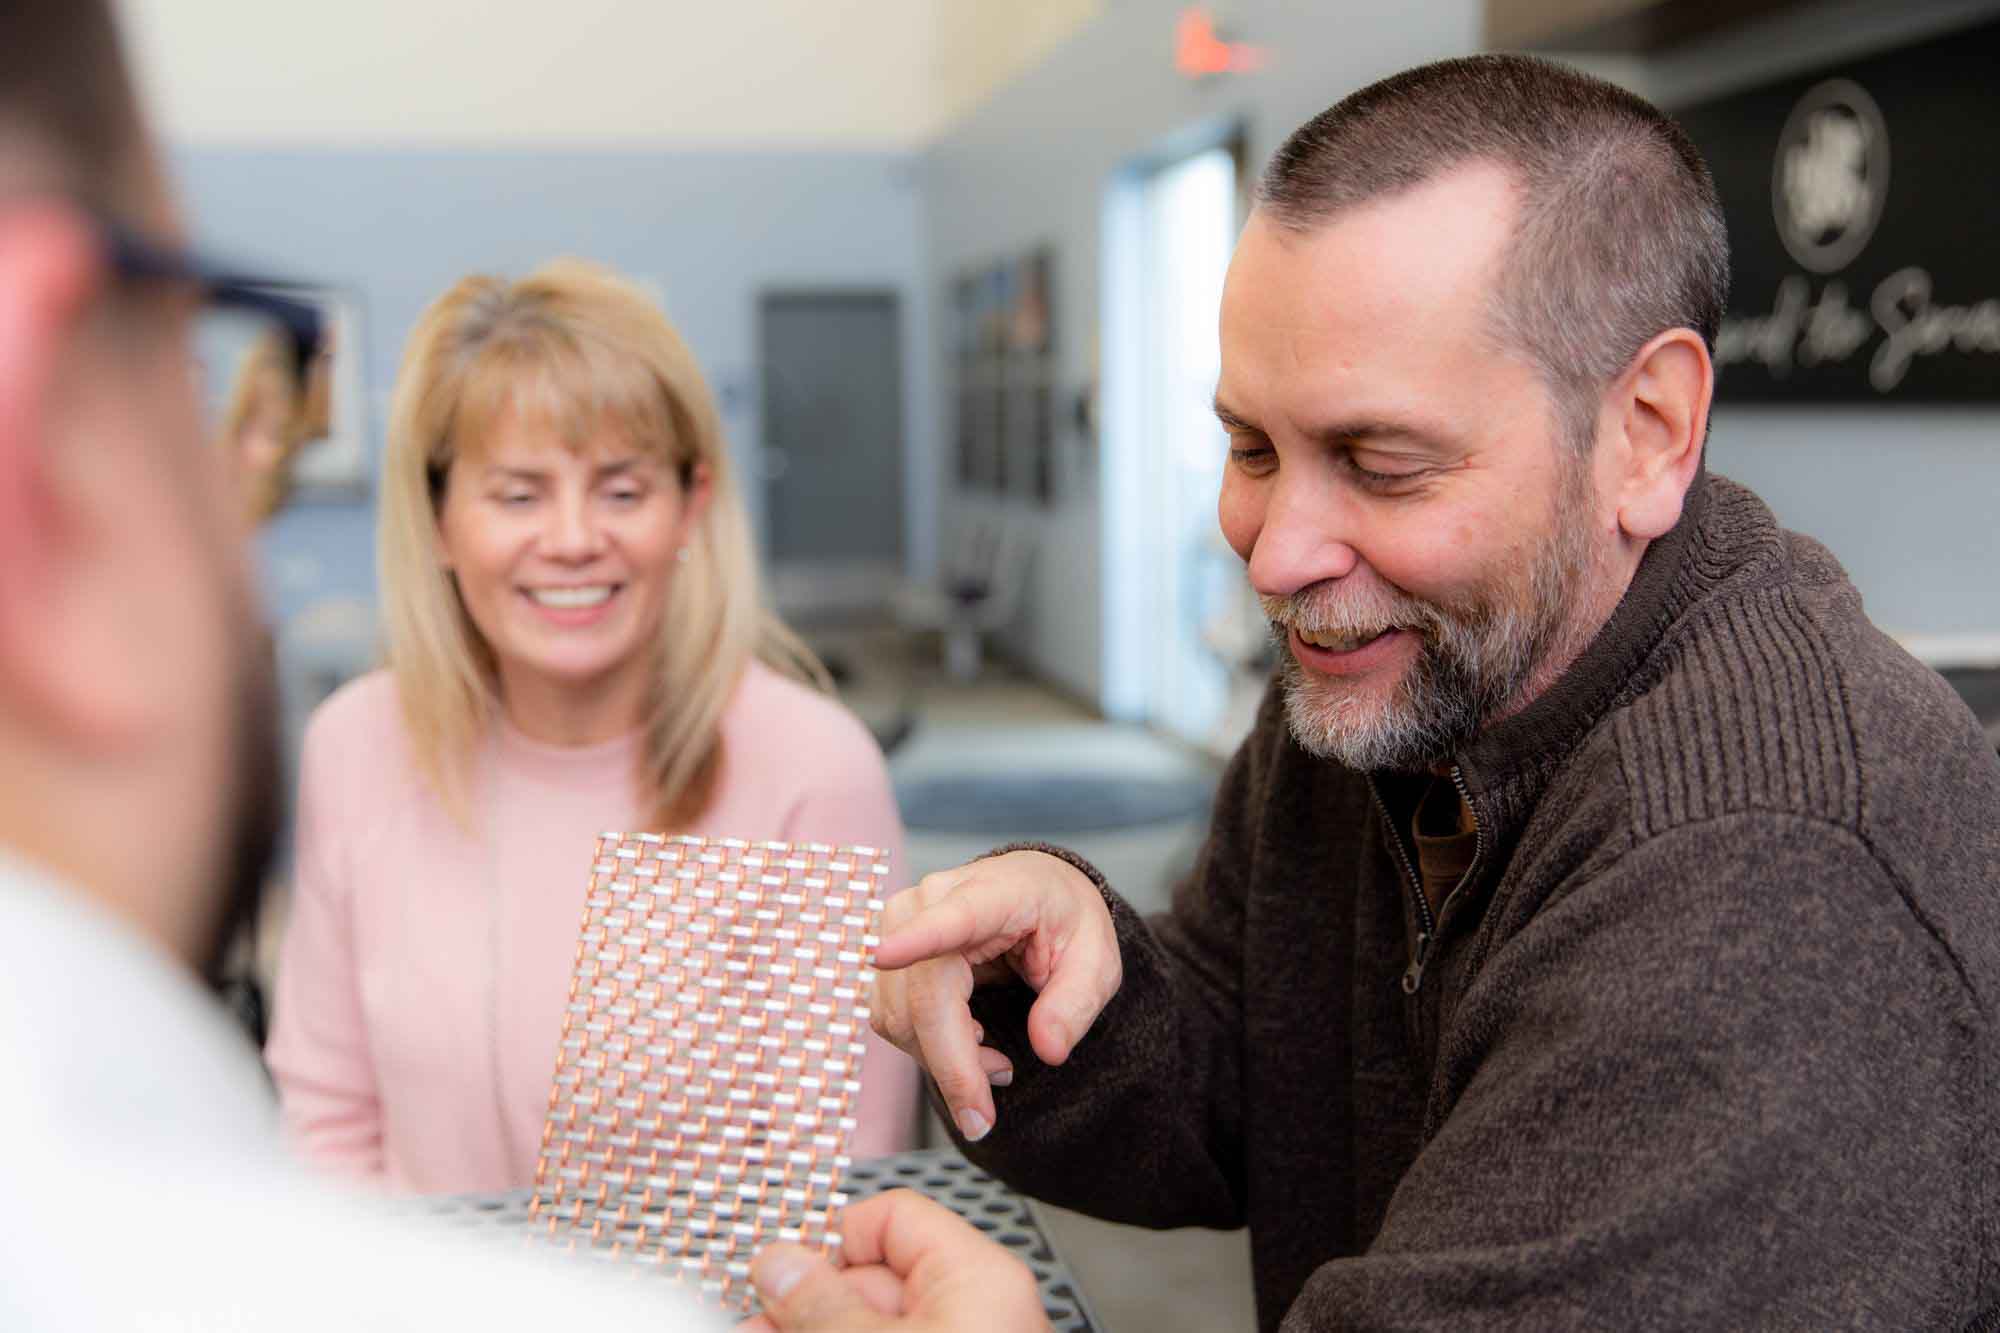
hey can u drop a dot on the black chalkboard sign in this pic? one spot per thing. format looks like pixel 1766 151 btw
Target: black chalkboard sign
pixel 1864 227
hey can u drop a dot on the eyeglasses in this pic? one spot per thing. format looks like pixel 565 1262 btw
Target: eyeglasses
pixel 135 258
pixel 263 355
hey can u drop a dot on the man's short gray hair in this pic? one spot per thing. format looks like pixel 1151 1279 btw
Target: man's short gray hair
pixel 1620 234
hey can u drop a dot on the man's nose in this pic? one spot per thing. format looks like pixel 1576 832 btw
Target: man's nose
pixel 1308 536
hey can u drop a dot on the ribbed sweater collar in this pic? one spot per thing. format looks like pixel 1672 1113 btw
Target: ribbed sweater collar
pixel 1508 766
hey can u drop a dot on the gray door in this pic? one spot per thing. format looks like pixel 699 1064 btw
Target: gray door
pixel 833 430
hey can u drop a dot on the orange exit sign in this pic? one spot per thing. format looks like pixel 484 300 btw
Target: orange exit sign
pixel 1200 51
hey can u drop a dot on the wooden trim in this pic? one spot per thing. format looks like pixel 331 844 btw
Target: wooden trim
pixel 1615 25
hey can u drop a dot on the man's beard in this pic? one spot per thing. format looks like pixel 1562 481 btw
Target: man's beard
pixel 1476 658
pixel 254 820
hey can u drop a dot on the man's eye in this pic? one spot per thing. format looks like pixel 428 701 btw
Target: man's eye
pixel 1253 458
pixel 1375 480
pixel 517 498
pixel 627 495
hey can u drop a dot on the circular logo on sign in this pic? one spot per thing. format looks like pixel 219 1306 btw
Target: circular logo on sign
pixel 1831 176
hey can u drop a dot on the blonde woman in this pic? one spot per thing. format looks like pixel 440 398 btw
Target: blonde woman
pixel 576 643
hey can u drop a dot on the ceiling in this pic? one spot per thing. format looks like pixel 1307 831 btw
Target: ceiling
pixel 887 74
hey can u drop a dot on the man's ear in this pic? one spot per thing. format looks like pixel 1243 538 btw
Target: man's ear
pixel 48 274
pixel 1660 418
pixel 51 675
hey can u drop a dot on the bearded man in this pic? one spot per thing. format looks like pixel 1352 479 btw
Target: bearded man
pixel 1599 929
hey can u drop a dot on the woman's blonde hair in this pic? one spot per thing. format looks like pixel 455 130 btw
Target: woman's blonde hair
pixel 574 347
pixel 267 360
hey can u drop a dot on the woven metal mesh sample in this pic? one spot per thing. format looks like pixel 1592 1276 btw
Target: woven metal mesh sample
pixel 711 1053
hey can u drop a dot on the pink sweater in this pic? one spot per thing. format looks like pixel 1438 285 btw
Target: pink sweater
pixel 425 969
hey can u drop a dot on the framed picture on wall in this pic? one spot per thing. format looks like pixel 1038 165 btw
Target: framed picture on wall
pixel 1020 437
pixel 1045 443
pixel 239 362
pixel 999 420
pixel 1030 332
pixel 967 424
pixel 965 315
pixel 336 464
pixel 1004 349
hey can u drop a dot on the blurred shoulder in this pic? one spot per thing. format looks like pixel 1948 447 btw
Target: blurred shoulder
pixel 776 715
pixel 805 768
pixel 421 1272
pixel 364 717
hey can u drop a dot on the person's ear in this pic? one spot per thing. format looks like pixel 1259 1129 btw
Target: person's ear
pixel 48 273
pixel 55 670
pixel 1660 419
pixel 440 547
pixel 696 497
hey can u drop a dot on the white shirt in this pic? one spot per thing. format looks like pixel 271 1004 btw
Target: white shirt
pixel 144 1186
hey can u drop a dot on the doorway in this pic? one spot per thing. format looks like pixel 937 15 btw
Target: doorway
pixel 832 462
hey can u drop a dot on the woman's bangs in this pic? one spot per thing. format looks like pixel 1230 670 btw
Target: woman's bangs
pixel 575 393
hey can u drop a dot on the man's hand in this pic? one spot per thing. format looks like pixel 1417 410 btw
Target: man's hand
pixel 913 1266
pixel 1025 914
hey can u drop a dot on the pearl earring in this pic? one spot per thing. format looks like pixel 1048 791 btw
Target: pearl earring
pixel 682 555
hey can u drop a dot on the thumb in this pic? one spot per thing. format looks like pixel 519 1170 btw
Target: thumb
pixel 801 1291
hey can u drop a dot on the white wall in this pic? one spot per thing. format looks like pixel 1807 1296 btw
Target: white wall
pixel 525 73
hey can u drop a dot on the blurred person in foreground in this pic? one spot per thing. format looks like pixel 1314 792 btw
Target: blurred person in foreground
pixel 578 641
pixel 147 1185
pixel 1600 927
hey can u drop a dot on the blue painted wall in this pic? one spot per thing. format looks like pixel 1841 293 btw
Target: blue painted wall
pixel 708 230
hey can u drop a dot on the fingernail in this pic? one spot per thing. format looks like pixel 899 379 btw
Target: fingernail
pixel 972 1124
pixel 1001 1078
pixel 775 1272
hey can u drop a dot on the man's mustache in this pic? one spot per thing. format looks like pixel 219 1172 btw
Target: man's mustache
pixel 1328 608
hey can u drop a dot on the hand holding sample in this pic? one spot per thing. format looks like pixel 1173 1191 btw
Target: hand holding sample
pixel 912 1264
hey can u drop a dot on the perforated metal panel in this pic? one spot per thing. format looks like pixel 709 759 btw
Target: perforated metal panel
pixel 711 1053
pixel 942 1174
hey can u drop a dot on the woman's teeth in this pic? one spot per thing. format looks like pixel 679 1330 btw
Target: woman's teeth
pixel 1335 642
pixel 571 599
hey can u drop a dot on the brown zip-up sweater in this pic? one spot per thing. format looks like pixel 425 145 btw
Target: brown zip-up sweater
pixel 1705 1039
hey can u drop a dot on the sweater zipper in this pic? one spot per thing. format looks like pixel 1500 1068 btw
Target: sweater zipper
pixel 1410 985
pixel 1427 923
pixel 1413 977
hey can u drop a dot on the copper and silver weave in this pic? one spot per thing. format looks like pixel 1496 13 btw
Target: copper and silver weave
pixel 711 1053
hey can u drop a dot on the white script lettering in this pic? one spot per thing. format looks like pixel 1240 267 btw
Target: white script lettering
pixel 1808 329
